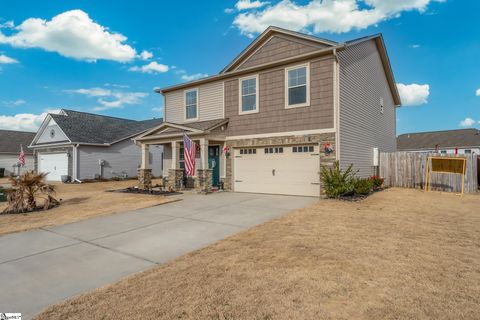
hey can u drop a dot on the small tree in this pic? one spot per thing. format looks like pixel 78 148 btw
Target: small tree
pixel 337 182
pixel 26 190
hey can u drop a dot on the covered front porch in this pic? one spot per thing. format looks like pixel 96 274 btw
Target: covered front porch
pixel 210 168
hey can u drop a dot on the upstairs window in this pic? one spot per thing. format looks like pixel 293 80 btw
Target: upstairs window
pixel 191 104
pixel 298 89
pixel 249 95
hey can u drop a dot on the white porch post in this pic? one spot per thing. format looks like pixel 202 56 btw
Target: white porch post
pixel 174 155
pixel 145 156
pixel 204 153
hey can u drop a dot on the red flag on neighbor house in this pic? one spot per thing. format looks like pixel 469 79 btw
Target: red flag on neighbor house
pixel 21 157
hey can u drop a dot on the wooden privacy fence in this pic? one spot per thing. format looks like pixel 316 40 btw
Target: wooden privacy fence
pixel 407 170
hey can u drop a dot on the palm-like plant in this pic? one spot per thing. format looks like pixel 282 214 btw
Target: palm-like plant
pixel 26 190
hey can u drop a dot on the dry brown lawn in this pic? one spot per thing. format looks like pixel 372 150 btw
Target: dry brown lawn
pixel 400 254
pixel 79 202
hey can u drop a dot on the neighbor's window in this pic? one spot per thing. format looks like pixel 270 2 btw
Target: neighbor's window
pixel 248 95
pixel 297 91
pixel 468 151
pixel 191 103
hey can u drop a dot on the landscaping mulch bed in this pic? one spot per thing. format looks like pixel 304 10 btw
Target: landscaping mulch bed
pixel 153 191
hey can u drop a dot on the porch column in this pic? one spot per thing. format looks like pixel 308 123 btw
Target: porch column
pixel 145 173
pixel 174 155
pixel 204 153
pixel 203 183
pixel 145 156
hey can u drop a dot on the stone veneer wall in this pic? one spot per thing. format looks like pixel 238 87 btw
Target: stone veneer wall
pixel 320 139
pixel 203 183
pixel 174 179
pixel 145 179
pixel 36 151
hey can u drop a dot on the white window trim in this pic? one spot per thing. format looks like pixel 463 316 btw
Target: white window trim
pixel 298 105
pixel 185 105
pixel 240 96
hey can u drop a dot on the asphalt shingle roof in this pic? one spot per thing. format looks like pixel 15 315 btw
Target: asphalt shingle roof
pixel 10 141
pixel 81 127
pixel 440 139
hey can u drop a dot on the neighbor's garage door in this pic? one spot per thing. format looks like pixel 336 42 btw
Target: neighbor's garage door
pixel 56 164
pixel 291 170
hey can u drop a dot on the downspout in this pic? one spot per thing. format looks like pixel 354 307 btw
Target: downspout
pixel 75 163
pixel 336 95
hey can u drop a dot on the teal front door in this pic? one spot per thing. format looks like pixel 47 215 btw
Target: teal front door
pixel 214 164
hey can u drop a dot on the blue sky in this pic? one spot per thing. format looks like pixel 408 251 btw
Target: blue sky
pixel 98 57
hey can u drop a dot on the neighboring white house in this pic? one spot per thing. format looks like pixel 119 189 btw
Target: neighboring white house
pixel 90 146
pixel 461 141
pixel 11 143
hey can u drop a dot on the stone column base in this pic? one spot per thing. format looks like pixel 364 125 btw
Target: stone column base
pixel 145 179
pixel 203 183
pixel 174 179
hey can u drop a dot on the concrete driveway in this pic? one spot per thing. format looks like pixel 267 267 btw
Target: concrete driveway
pixel 45 266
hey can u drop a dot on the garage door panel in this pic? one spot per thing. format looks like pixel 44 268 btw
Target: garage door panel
pixel 295 173
pixel 55 164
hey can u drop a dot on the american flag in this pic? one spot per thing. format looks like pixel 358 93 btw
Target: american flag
pixel 189 150
pixel 21 157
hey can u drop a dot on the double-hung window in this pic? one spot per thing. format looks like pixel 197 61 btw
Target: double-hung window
pixel 249 95
pixel 297 91
pixel 191 104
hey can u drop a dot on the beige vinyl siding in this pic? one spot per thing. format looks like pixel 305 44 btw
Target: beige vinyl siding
pixel 272 116
pixel 277 48
pixel 362 125
pixel 209 103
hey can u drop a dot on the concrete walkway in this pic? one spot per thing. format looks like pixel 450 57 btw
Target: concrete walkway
pixel 45 266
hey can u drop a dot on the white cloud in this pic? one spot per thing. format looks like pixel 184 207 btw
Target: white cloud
pixel 415 46
pixel 467 122
pixel 111 99
pixel 413 94
pixel 157 109
pixel 24 121
pixel 248 4
pixel 146 55
pixel 152 67
pixel 191 77
pixel 7 25
pixel 6 60
pixel 477 93
pixel 72 34
pixel 334 16
pixel 229 10
pixel 13 103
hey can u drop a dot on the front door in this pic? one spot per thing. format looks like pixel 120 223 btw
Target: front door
pixel 214 164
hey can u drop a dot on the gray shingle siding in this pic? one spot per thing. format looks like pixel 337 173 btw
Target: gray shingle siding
pixel 121 157
pixel 362 126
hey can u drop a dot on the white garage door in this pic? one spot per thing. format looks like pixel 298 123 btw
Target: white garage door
pixel 291 170
pixel 56 164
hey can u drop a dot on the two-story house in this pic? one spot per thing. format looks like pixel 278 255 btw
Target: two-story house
pixel 287 105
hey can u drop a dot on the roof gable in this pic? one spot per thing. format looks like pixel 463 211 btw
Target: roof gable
pixel 276 44
pixel 168 129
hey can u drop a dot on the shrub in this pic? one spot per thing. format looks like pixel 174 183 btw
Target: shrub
pixel 362 186
pixel 377 182
pixel 26 190
pixel 337 182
